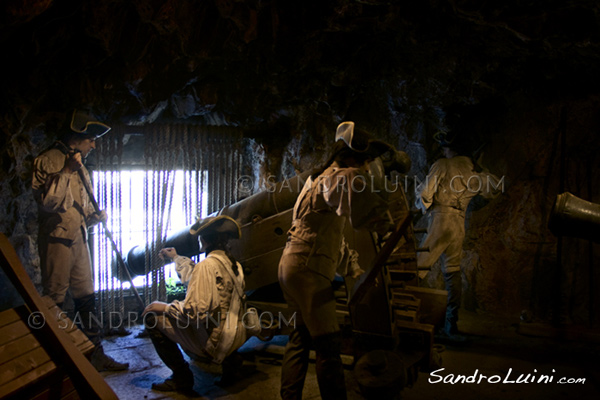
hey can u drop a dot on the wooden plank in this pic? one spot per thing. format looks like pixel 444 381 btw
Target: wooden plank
pixel 71 396
pixel 80 340
pixel 400 295
pixel 45 381
pixel 9 316
pixel 405 303
pixel 14 331
pixel 368 279
pixel 403 315
pixel 18 329
pixel 13 349
pixel 18 340
pixel 24 363
pixel 433 303
pixel 58 388
pixel 87 380
pixel 16 385
pixel 68 326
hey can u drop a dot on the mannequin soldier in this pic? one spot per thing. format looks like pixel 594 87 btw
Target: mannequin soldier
pixel 337 193
pixel 445 194
pixel 65 214
pixel 209 322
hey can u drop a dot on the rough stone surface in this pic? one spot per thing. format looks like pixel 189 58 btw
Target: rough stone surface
pixel 516 75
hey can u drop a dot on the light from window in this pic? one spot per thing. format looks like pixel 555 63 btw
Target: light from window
pixel 129 222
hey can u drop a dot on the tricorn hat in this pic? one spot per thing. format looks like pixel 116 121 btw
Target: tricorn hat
pixel 219 224
pixel 442 138
pixel 360 141
pixel 86 123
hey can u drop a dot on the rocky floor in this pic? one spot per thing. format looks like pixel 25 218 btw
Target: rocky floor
pixel 494 350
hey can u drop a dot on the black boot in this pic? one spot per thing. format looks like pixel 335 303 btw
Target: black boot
pixel 330 370
pixel 86 318
pixel 176 384
pixel 182 379
pixel 449 333
pixel 103 362
pixel 231 367
pixel 454 288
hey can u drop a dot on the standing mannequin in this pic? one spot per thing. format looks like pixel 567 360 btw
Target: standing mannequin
pixel 338 193
pixel 445 194
pixel 65 214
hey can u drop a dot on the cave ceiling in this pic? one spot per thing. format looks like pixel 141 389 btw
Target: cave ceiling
pixel 250 63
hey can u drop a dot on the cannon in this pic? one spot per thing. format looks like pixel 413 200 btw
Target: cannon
pixel 574 217
pixel 280 197
pixel 383 310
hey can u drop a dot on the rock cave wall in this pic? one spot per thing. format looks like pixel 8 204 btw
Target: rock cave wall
pixel 520 74
pixel 510 263
pixel 510 259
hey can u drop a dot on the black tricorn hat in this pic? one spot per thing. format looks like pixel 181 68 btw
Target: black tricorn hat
pixel 219 224
pixel 444 140
pixel 85 123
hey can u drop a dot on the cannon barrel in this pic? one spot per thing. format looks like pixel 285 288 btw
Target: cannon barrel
pixel 275 199
pixel 186 245
pixel 271 201
pixel 575 217
pixel 279 197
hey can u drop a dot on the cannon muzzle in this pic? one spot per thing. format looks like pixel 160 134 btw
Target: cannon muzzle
pixel 575 217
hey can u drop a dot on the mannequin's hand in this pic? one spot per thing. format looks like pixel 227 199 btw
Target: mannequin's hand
pixel 356 273
pixel 167 254
pixel 155 307
pixel 73 162
pixel 102 216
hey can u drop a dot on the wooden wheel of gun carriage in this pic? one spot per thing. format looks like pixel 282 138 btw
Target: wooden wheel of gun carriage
pixel 384 310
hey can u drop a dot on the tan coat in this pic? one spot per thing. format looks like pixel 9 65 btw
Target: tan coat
pixel 316 246
pixel 324 206
pixel 210 318
pixel 64 206
pixel 452 183
pixel 65 212
pixel 446 193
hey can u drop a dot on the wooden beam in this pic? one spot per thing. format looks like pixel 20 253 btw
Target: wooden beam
pixel 369 278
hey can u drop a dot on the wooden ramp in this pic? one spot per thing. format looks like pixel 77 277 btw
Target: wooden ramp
pixel 42 353
pixel 25 366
